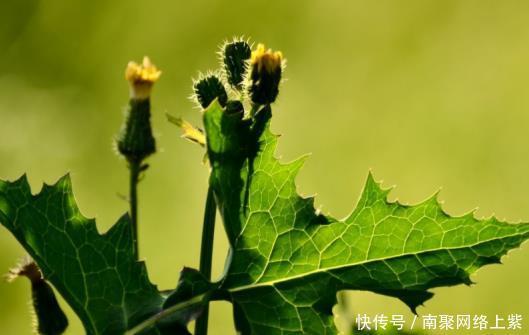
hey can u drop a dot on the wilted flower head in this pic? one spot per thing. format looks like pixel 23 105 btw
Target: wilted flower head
pixel 141 77
pixel 266 67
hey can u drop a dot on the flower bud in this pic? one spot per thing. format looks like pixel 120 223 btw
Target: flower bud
pixel 208 89
pixel 141 78
pixel 234 107
pixel 49 317
pixel 135 140
pixel 235 58
pixel 266 67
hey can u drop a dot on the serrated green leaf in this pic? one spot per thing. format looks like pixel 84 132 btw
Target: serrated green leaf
pixel 288 262
pixel 96 274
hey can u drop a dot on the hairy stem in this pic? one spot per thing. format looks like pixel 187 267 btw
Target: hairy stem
pixel 206 255
pixel 134 167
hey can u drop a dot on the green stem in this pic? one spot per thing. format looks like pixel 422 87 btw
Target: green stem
pixel 134 167
pixel 254 110
pixel 206 255
pixel 166 313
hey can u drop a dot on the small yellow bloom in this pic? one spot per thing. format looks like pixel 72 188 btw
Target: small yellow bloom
pixel 141 77
pixel 266 67
pixel 267 60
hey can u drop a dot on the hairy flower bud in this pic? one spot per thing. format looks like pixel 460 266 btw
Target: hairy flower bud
pixel 208 89
pixel 49 317
pixel 135 140
pixel 235 58
pixel 266 67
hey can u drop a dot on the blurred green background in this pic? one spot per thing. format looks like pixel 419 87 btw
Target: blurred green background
pixel 424 93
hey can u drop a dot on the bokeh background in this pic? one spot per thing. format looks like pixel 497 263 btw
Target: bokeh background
pixel 424 93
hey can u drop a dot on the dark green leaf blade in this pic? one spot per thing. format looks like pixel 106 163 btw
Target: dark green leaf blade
pixel 289 261
pixel 96 274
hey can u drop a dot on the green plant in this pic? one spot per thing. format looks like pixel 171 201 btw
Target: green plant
pixel 287 261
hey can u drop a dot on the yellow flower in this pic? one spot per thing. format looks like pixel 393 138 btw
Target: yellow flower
pixel 267 60
pixel 266 68
pixel 141 77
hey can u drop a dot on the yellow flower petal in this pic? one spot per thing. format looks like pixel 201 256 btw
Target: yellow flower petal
pixel 267 60
pixel 141 77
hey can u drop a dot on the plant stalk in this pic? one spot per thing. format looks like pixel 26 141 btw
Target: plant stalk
pixel 206 255
pixel 134 167
pixel 151 321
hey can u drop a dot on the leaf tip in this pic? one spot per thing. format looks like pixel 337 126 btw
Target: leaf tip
pixel 65 182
